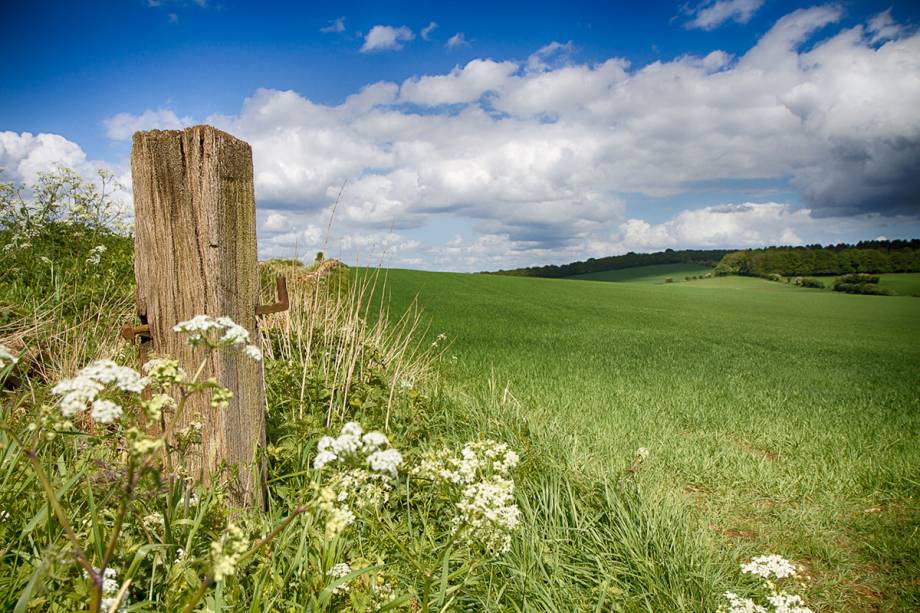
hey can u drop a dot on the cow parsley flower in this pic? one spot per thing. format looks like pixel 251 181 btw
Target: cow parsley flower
pixel 337 520
pixel 488 509
pixel 372 441
pixel 76 394
pixel 226 552
pixel 110 588
pixel 95 255
pixel 769 566
pixel 387 461
pixel 164 372
pixel 342 569
pixel 788 603
pixel 218 333
pixel 322 458
pixel 737 604
pixel 253 352
pixel 157 404
pixel 105 411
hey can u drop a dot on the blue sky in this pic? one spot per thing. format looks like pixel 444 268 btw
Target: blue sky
pixel 433 165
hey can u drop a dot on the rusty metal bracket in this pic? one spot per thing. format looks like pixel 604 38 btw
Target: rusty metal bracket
pixel 283 302
pixel 129 331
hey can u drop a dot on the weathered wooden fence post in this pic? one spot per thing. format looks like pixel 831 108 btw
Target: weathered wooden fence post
pixel 195 253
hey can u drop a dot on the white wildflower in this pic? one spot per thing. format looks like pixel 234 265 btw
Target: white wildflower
pixel 6 357
pixel 373 441
pixel 253 352
pixel 387 461
pixel 346 444
pixel 234 334
pixel 488 509
pixel 322 458
pixel 769 566
pixel 342 569
pixel 105 411
pixel 95 255
pixel 76 393
pixel 109 581
pixel 226 552
pixel 217 333
pixel 108 372
pixel 741 605
pixel 641 454
pixel 352 428
pixel 325 443
pixel 157 404
pixel 164 372
pixel 110 587
pixel 788 603
pixel 362 488
pixel 337 520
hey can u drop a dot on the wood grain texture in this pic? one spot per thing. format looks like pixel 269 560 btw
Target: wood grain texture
pixel 195 253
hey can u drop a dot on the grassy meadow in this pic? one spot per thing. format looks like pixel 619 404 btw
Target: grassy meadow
pixel 778 419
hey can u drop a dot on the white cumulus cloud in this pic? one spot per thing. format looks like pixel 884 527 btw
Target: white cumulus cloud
pixel 123 125
pixel 382 38
pixel 713 13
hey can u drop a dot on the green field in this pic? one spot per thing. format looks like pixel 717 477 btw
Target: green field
pixel 779 420
pixel 646 274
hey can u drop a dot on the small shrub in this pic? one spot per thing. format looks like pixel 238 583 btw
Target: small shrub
pixel 669 280
pixel 806 282
pixel 861 288
pixel 858 278
pixel 776 277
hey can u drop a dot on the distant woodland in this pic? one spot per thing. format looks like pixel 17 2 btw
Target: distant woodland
pixel 709 257
pixel 863 257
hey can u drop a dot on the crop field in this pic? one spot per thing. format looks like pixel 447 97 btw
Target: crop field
pixel 778 420
pixel 646 274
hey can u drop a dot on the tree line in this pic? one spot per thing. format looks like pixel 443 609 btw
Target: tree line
pixel 876 256
pixel 703 257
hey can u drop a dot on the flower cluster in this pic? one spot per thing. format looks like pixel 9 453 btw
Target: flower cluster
pixel 163 372
pixel 342 569
pixel 476 459
pixel 218 332
pixel 226 553
pixel 110 591
pixel 95 255
pixel 737 604
pixel 486 511
pixel 84 389
pixel 767 567
pixel 366 466
pixel 353 443
pixel 6 357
